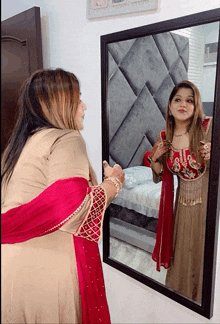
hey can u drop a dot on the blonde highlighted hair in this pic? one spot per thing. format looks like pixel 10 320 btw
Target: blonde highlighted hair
pixel 48 98
pixel 195 129
pixel 57 93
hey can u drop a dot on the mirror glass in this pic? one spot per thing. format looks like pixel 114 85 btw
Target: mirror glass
pixel 141 74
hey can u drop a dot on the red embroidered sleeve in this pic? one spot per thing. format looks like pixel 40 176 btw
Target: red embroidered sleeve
pixel 91 227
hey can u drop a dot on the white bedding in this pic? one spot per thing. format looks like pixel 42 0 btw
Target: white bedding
pixel 140 193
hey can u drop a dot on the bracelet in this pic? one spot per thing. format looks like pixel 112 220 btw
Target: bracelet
pixel 161 171
pixel 116 182
pixel 150 160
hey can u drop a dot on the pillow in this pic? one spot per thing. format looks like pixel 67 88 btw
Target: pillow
pixel 137 175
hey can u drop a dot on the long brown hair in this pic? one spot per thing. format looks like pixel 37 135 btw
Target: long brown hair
pixel 48 99
pixel 195 129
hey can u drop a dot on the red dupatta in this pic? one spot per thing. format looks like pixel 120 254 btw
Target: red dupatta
pixel 163 247
pixel 48 212
pixel 45 213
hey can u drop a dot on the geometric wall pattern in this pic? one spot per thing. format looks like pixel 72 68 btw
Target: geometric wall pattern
pixel 141 75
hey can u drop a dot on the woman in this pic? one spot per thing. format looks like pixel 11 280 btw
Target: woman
pixel 182 149
pixel 52 209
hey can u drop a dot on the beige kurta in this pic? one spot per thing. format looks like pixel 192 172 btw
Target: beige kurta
pixel 186 272
pixel 39 276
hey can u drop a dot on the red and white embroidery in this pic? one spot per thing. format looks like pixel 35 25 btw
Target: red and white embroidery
pixel 91 227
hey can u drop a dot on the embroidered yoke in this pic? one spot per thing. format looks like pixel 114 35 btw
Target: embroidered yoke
pixel 183 163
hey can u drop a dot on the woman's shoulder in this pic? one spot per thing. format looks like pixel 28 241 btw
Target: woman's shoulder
pixel 51 135
pixel 56 132
pixel 44 141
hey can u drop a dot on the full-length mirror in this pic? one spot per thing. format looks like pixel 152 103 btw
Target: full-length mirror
pixel 140 67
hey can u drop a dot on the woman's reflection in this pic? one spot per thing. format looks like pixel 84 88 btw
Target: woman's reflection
pixel 182 149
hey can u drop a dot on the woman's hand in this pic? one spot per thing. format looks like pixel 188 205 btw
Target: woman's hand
pixel 115 172
pixel 114 180
pixel 159 149
pixel 205 150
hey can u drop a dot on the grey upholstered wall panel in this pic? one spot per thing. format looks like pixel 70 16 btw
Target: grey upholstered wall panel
pixel 142 73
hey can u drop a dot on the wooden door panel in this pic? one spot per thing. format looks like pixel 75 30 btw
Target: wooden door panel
pixel 15 69
pixel 21 55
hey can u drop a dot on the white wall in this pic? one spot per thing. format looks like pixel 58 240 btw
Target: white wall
pixel 72 42
pixel 209 71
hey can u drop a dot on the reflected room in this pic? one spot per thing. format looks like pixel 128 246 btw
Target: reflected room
pixel 141 74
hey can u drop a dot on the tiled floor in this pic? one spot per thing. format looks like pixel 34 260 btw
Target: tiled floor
pixel 136 258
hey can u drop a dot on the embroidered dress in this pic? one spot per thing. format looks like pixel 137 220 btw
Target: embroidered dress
pixel 52 213
pixel 185 267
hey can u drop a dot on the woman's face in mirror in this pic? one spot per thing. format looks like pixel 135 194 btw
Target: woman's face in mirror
pixel 182 105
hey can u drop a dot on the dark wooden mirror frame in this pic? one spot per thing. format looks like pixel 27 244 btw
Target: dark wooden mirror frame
pixel 213 204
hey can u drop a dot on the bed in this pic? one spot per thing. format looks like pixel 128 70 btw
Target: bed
pixel 134 212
